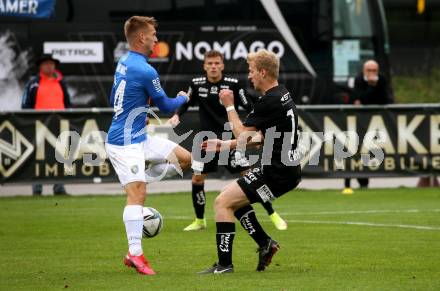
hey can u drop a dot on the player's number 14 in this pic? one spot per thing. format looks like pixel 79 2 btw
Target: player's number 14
pixel 119 98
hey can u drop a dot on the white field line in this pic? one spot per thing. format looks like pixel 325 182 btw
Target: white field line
pixel 358 223
pixel 420 227
pixel 373 211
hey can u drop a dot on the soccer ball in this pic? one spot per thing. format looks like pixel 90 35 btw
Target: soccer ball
pixel 152 222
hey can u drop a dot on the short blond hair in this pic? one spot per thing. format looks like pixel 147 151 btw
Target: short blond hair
pixel 135 23
pixel 264 59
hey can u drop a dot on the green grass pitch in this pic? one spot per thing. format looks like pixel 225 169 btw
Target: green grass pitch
pixel 372 240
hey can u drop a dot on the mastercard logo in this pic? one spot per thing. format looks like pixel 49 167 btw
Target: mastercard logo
pixel 160 50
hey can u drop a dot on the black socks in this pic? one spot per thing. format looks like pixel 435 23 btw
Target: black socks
pixel 199 200
pixel 268 207
pixel 225 238
pixel 247 218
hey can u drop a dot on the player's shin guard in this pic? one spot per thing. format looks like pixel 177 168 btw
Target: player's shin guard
pixel 134 220
pixel 225 238
pixel 247 218
pixel 199 199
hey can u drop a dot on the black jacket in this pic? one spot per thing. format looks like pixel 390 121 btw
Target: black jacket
pixel 368 95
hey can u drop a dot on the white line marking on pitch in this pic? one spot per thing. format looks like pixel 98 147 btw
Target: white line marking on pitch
pixel 362 212
pixel 372 224
pixel 358 223
pixel 368 224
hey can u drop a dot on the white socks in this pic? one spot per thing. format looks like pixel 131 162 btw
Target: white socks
pixel 134 221
pixel 157 172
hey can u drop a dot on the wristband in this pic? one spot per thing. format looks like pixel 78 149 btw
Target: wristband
pixel 230 108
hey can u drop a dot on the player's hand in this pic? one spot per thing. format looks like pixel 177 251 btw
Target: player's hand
pixel 226 97
pixel 212 145
pixel 174 120
pixel 182 93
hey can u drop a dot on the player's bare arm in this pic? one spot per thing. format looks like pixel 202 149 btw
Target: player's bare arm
pixel 246 135
pixel 227 99
pixel 248 138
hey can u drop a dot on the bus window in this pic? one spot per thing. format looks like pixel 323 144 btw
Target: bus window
pixel 351 18
pixel 353 37
pixel 384 28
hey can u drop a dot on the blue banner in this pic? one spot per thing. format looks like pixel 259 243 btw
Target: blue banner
pixel 27 8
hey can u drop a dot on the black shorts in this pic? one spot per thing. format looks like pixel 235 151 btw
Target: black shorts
pixel 236 163
pixel 267 183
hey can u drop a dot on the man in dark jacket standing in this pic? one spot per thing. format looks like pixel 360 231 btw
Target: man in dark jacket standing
pixel 370 88
pixel 46 91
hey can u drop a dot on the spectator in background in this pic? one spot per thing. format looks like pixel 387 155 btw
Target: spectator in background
pixel 370 88
pixel 44 91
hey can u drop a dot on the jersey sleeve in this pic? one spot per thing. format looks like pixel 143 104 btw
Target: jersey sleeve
pixel 242 99
pixel 155 91
pixel 253 118
pixel 152 84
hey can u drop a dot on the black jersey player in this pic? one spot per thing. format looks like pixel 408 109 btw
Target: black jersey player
pixel 204 91
pixel 273 122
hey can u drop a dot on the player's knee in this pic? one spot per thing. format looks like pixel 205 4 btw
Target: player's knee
pixel 183 157
pixel 136 193
pixel 141 191
pixel 185 161
pixel 197 179
pixel 221 202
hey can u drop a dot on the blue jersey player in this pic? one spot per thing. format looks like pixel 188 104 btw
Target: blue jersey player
pixel 128 145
